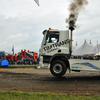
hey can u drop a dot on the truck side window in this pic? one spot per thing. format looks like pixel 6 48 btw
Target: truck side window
pixel 52 37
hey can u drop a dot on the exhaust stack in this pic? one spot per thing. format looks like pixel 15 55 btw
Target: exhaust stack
pixel 71 38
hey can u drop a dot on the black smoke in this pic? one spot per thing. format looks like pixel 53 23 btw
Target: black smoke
pixel 74 8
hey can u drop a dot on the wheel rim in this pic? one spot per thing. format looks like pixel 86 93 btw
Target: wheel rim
pixel 57 68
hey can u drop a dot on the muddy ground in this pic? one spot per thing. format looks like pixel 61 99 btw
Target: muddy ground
pixel 41 80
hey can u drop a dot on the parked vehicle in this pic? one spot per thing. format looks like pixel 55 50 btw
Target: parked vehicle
pixel 2 61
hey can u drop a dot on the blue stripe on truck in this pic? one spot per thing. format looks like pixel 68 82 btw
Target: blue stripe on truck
pixel 90 65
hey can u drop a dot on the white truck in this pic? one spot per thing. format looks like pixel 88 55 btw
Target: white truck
pixel 55 53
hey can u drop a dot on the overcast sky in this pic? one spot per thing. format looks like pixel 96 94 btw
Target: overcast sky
pixel 22 22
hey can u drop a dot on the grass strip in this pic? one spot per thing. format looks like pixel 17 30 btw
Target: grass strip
pixel 23 65
pixel 42 96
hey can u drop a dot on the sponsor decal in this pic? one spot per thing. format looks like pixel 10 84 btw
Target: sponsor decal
pixel 76 67
pixel 52 50
pixel 53 47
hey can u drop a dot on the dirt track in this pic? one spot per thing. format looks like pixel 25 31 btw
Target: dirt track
pixel 41 80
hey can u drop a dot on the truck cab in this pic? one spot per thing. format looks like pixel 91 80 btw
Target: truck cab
pixel 55 51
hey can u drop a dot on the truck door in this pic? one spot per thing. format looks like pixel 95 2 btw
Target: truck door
pixel 50 46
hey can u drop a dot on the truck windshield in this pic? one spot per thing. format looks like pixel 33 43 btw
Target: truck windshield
pixel 52 37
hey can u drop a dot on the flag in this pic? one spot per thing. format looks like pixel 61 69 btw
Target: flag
pixel 13 50
pixel 37 1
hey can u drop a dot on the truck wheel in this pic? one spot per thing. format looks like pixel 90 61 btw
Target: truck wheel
pixel 58 68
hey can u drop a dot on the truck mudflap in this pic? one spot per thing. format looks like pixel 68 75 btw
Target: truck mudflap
pixel 86 65
pixel 4 63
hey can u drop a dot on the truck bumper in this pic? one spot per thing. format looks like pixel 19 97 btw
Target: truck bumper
pixel 43 65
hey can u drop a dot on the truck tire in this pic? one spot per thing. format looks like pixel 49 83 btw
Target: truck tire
pixel 58 68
